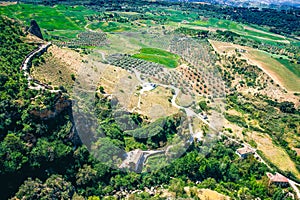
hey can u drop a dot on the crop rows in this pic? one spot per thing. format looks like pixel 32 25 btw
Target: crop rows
pixel 86 39
pixel 189 80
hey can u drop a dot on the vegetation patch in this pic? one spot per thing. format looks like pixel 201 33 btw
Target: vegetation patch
pixel 281 70
pixel 160 56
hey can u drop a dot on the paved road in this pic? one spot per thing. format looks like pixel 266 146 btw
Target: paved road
pixel 294 185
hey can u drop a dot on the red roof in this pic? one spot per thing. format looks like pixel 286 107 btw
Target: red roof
pixel 277 178
pixel 245 150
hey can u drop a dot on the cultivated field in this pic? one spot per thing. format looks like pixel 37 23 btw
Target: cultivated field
pixel 160 56
pixel 250 32
pixel 110 26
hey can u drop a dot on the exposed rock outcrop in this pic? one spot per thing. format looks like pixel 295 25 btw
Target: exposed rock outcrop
pixel 35 29
pixel 61 104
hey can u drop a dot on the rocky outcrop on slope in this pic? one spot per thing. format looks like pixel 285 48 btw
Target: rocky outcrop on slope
pixel 35 29
pixel 61 104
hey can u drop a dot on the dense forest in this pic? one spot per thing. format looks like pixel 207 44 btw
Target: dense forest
pixel 42 159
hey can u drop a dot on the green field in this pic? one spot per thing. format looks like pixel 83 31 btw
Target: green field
pixel 261 34
pixel 58 20
pixel 160 56
pixel 179 16
pixel 293 67
pixel 110 26
pixel 237 28
pixel 51 18
pixel 217 23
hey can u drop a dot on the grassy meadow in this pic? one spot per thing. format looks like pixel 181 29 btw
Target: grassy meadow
pixel 58 20
pixel 293 67
pixel 160 56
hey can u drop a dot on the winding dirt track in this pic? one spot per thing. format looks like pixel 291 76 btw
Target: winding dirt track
pixel 25 67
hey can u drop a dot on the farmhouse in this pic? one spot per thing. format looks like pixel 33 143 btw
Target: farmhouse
pixel 241 50
pixel 245 151
pixel 134 160
pixel 148 87
pixel 185 22
pixel 278 179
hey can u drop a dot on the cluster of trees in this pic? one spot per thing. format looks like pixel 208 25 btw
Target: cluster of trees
pixel 118 125
pixel 193 32
pixel 24 147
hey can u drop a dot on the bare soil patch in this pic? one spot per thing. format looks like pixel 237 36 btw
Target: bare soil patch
pixel 7 3
pixel 206 194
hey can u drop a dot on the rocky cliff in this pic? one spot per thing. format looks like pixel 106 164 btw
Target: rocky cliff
pixel 61 104
pixel 35 29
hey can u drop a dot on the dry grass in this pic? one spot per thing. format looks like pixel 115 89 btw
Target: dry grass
pixel 124 86
pixel 274 154
pixel 223 47
pixel 58 67
pixel 155 103
pixel 203 194
pixel 184 100
pixel 206 194
pixel 236 130
pixel 121 84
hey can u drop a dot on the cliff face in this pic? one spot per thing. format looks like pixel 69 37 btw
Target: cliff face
pixel 35 29
pixel 61 104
